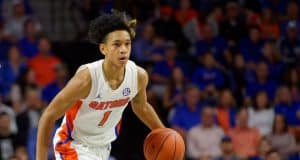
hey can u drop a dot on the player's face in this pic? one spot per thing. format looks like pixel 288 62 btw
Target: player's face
pixel 117 47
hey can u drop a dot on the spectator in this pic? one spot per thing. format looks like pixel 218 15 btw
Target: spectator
pixel 262 83
pixel 251 47
pixel 292 14
pixel 14 26
pixel 203 140
pixel 169 28
pixel 272 57
pixel 187 17
pixel 273 155
pixel 61 77
pixel 25 79
pixel 11 69
pixel 208 75
pixel 21 153
pixel 233 28
pixel 162 70
pixel 269 25
pixel 227 149
pixel 7 138
pixel 43 64
pixel 173 94
pixel 284 105
pixel 262 150
pixel 210 43
pixel 214 19
pixel 245 140
pixel 29 118
pixel 280 138
pixel 186 115
pixel 29 43
pixel 278 7
pixel 226 110
pixel 261 114
pixel 11 113
pixel 143 45
pixel 290 43
pixel 292 80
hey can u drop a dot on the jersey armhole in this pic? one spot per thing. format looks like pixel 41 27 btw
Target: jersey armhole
pixel 93 88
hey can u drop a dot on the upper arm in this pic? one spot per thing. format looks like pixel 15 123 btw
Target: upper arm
pixel 143 79
pixel 77 88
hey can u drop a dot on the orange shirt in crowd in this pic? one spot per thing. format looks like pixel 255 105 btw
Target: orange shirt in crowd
pixel 223 119
pixel 270 30
pixel 245 141
pixel 183 17
pixel 43 67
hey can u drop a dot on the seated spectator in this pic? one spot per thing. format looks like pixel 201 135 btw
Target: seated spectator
pixel 25 79
pixel 269 25
pixel 284 105
pixel 204 139
pixel 280 138
pixel 261 114
pixel 292 14
pixel 167 27
pixel 272 57
pixel 11 113
pixel 214 19
pixel 162 70
pixel 214 44
pixel 29 43
pixel 273 155
pixel 209 74
pixel 245 139
pixel 227 150
pixel 21 153
pixel 43 64
pixel 29 117
pixel 14 26
pixel 61 77
pixel 233 28
pixel 251 47
pixel 186 116
pixel 262 83
pixel 292 80
pixel 289 44
pixel 7 138
pixel 173 95
pixel 11 69
pixel 226 110
pixel 185 13
pixel 142 46
pixel 262 150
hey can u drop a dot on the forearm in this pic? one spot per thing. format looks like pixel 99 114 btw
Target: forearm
pixel 46 125
pixel 148 116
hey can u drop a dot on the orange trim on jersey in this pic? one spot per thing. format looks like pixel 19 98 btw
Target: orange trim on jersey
pixel 64 145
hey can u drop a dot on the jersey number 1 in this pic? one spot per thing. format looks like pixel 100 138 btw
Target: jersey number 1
pixel 104 119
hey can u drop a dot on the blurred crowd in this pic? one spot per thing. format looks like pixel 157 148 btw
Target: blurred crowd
pixel 224 74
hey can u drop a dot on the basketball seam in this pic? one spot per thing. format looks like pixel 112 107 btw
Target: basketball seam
pixel 149 142
pixel 175 148
pixel 161 146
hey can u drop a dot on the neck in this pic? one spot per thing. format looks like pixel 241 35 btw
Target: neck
pixel 112 72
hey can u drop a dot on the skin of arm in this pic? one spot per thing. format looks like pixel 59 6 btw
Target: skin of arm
pixel 77 88
pixel 140 105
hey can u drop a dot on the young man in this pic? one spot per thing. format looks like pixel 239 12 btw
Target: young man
pixel 94 99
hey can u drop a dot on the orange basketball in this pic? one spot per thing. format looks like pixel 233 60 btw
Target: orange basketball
pixel 164 144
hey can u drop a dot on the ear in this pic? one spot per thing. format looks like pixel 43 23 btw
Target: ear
pixel 102 48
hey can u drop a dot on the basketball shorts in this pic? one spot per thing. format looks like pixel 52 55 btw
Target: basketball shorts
pixel 78 151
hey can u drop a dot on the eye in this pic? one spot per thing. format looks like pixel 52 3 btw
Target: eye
pixel 128 43
pixel 116 44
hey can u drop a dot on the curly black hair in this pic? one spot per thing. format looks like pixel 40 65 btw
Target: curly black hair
pixel 101 26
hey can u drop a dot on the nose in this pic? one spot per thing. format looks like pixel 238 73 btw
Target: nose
pixel 123 49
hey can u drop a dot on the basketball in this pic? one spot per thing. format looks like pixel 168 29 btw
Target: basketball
pixel 164 144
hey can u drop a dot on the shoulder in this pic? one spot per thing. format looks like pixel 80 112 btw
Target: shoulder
pixel 142 77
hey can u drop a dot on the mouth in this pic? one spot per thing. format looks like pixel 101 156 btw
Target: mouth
pixel 123 59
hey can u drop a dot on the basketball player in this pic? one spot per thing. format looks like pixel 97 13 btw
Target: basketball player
pixel 94 99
